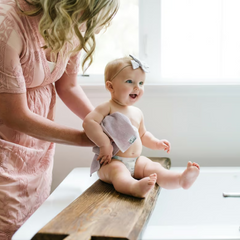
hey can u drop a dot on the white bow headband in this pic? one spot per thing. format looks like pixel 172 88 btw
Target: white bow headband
pixel 136 63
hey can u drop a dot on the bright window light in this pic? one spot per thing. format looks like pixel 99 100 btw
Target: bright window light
pixel 200 40
pixel 183 41
pixel 120 39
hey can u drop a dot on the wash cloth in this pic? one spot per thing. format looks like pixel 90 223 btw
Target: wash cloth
pixel 119 128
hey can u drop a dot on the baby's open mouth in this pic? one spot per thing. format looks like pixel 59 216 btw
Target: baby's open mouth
pixel 133 95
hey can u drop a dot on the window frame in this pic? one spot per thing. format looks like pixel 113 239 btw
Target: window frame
pixel 148 33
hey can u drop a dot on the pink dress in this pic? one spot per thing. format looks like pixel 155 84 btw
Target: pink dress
pixel 25 162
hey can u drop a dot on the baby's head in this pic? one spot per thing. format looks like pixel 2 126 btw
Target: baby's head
pixel 114 67
pixel 124 78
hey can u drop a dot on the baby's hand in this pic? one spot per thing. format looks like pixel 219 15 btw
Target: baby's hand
pixel 164 145
pixel 105 155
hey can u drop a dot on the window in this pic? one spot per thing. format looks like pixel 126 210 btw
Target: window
pixel 119 40
pixel 183 41
pixel 200 40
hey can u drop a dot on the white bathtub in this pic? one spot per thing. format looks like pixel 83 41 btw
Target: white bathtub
pixel 200 212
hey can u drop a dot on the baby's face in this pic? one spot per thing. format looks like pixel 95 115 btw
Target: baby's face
pixel 128 86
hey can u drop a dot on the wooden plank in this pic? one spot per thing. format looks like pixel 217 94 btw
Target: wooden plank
pixel 101 213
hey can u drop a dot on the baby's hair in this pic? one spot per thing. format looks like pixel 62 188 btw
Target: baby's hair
pixel 61 20
pixel 114 67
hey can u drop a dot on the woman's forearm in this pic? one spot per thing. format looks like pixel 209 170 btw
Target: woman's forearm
pixel 73 96
pixel 15 114
pixel 45 129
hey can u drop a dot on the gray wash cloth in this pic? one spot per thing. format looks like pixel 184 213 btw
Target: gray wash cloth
pixel 119 128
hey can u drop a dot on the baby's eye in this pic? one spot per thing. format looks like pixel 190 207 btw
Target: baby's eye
pixel 141 83
pixel 129 81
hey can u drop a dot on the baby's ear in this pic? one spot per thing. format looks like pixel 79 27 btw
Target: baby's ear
pixel 109 86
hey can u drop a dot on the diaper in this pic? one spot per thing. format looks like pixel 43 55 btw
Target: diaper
pixel 128 162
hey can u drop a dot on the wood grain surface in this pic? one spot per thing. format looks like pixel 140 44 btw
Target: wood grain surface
pixel 101 213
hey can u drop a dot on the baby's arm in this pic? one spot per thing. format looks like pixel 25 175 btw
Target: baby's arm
pixel 93 129
pixel 149 141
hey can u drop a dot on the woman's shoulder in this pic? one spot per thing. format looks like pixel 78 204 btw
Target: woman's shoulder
pixel 7 4
pixel 11 27
pixel 10 16
pixel 8 8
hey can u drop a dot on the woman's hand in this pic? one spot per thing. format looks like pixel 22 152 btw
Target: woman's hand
pixel 21 119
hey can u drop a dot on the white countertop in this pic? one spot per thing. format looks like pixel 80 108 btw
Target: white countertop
pixel 200 212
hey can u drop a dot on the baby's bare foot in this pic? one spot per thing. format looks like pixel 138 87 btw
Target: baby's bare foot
pixel 142 187
pixel 189 176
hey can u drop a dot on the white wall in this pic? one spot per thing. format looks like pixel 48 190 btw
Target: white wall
pixel 201 122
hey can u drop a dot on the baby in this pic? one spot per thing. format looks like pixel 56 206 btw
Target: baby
pixel 129 172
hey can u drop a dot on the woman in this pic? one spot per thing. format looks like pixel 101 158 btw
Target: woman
pixel 40 42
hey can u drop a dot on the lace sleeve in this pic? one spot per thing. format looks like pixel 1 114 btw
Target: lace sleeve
pixel 11 74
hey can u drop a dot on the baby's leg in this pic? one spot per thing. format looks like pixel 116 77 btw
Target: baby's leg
pixel 165 178
pixel 117 174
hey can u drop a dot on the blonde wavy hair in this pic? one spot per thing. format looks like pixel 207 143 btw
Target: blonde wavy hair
pixel 61 21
